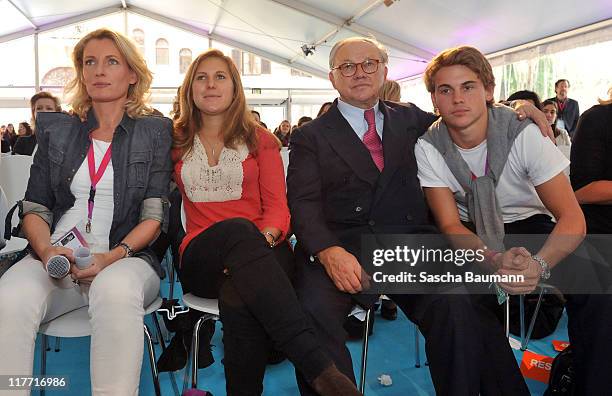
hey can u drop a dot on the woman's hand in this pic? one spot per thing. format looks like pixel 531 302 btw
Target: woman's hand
pixel 51 251
pixel 87 275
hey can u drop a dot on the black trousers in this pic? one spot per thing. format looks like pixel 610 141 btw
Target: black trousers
pixel 466 346
pixel 232 261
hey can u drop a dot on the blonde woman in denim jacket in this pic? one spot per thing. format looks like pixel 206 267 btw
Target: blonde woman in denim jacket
pixel 129 209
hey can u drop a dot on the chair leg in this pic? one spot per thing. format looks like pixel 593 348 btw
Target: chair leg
pixel 364 351
pixel 507 313
pixel 152 360
pixel 533 319
pixel 57 343
pixel 43 360
pixel 158 331
pixel 522 318
pixel 417 347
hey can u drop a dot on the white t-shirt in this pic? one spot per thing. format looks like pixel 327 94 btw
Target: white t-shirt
pixel 533 160
pixel 102 216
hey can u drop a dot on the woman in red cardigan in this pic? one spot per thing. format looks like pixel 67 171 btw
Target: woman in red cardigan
pixel 230 174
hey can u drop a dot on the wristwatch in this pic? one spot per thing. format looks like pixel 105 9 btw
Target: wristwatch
pixel 545 267
pixel 128 250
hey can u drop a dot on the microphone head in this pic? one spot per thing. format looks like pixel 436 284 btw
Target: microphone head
pixel 82 257
pixel 58 267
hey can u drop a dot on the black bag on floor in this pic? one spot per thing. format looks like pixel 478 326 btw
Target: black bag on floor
pixel 562 379
pixel 551 310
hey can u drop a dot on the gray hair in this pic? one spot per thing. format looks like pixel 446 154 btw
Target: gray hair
pixel 384 55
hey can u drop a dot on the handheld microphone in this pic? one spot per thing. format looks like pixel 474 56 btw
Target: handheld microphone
pixel 58 267
pixel 82 257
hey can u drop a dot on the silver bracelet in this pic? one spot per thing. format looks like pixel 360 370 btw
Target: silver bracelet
pixel 545 267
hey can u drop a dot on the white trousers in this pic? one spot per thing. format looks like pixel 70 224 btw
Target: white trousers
pixel 117 297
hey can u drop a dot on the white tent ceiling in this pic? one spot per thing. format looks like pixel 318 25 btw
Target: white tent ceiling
pixel 277 29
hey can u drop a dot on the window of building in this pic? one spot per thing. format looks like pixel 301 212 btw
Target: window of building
pixel 138 36
pixel 184 60
pixel 162 52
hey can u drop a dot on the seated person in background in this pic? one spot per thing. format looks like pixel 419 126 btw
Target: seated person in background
pixel 6 140
pixel 562 139
pixel 230 174
pixel 303 120
pixel 41 102
pixel 26 142
pixel 390 91
pixel 569 110
pixel 500 176
pixel 531 96
pixel 324 107
pixel 283 132
pixel 127 211
pixel 592 166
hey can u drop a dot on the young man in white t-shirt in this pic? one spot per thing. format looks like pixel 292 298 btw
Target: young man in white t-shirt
pixel 530 190
pixel 461 84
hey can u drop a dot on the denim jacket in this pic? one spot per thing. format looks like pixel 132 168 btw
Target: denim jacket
pixel 142 168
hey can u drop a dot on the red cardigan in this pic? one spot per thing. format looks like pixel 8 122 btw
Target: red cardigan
pixel 263 199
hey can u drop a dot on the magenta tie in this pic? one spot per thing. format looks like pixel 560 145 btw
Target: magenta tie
pixel 372 140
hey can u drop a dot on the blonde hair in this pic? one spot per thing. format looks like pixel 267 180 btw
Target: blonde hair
pixel 137 93
pixel 43 95
pixel 241 126
pixel 606 101
pixel 382 51
pixel 390 91
pixel 466 56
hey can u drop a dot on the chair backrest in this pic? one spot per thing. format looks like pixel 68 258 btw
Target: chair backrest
pixel 14 175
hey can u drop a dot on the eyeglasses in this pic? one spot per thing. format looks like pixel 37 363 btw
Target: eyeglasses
pixel 349 69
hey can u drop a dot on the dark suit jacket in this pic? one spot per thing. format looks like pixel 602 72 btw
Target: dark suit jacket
pixel 335 191
pixel 569 115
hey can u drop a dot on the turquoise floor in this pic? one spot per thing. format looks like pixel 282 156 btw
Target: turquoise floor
pixel 391 352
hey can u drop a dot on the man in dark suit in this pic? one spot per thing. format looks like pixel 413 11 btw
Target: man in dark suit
pixel 567 118
pixel 353 172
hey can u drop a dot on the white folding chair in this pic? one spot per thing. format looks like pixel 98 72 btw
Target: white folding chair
pixel 14 176
pixel 76 324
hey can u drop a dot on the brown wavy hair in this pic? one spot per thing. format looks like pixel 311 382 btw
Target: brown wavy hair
pixel 466 56
pixel 240 124
pixel 138 93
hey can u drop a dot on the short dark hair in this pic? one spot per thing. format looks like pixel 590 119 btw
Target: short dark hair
pixel 304 120
pixel 527 95
pixel 559 81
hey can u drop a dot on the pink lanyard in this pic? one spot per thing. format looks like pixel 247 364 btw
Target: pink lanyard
pixel 474 177
pixel 95 178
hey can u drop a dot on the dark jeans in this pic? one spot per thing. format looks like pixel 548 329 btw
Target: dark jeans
pixel 258 307
pixel 466 347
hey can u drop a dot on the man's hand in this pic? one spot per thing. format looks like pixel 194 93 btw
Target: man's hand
pixel 518 261
pixel 343 268
pixel 525 109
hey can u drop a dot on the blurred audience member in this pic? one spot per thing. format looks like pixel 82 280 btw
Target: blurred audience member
pixel 43 102
pixel 12 135
pixel 6 142
pixel 568 108
pixel 303 120
pixel 324 107
pixel 527 95
pixel 562 139
pixel 26 142
pixel 390 91
pixel 283 132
